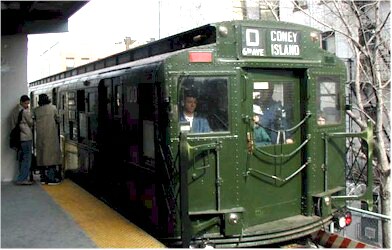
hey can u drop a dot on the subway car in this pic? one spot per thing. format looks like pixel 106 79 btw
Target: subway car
pixel 205 177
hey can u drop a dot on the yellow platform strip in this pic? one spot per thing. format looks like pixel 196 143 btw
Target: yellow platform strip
pixel 105 227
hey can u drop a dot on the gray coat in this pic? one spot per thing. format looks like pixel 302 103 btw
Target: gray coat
pixel 47 137
pixel 25 124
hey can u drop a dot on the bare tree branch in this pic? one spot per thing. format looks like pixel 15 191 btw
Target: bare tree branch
pixel 272 9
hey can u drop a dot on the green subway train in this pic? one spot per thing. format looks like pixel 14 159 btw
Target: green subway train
pixel 232 134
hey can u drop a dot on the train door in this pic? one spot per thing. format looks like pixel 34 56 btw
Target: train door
pixel 110 127
pixel 204 112
pixel 273 184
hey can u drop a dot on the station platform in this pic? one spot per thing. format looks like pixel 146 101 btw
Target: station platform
pixel 64 216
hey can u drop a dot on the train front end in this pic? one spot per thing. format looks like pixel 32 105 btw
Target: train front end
pixel 271 165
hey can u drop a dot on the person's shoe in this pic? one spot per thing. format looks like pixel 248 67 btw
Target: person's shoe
pixel 54 182
pixel 25 182
pixel 44 180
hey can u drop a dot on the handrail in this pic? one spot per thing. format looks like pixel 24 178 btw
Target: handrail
pixel 250 170
pixel 366 135
pixel 308 115
pixel 377 215
pixel 285 155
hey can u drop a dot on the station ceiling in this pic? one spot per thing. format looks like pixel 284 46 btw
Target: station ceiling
pixel 34 17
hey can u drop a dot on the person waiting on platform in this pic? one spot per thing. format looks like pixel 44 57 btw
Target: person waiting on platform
pixel 197 124
pixel 47 141
pixel 261 137
pixel 21 117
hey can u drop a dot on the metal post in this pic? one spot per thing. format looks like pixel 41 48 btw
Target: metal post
pixel 186 233
pixel 377 215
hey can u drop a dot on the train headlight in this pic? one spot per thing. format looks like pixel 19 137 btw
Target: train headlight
pixel 315 36
pixel 233 218
pixel 327 200
pixel 223 31
pixel 342 222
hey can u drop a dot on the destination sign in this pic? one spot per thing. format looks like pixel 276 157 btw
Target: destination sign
pixel 285 43
pixel 252 42
pixel 258 42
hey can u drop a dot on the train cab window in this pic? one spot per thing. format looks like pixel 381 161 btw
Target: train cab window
pixel 272 112
pixel 204 104
pixel 328 101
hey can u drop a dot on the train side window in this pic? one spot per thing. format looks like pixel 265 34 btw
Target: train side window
pixel 91 102
pixel 200 105
pixel 81 101
pixel 328 96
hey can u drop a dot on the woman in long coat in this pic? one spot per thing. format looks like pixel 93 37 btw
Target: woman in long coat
pixel 47 140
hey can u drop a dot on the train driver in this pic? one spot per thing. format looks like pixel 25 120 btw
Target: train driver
pixel 274 116
pixel 198 124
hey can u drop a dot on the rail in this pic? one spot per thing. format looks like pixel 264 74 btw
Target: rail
pixel 285 155
pixel 282 132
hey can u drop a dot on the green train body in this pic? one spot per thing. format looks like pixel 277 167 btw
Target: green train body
pixel 122 135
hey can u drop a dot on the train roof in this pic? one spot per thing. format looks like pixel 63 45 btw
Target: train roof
pixel 204 35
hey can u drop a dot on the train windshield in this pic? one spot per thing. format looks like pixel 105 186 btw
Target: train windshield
pixel 272 112
pixel 204 103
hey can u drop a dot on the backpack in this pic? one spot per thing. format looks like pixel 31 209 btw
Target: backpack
pixel 15 134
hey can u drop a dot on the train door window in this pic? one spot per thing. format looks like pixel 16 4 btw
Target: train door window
pixel 328 101
pixel 272 112
pixel 82 120
pixel 32 101
pixel 92 120
pixel 117 100
pixel 106 92
pixel 72 115
pixel 54 97
pixel 204 103
pixel 36 101
pixel 62 108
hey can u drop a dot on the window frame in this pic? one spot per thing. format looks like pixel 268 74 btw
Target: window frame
pixel 337 95
pixel 178 108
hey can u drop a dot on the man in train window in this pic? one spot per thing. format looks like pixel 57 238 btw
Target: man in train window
pixel 197 123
